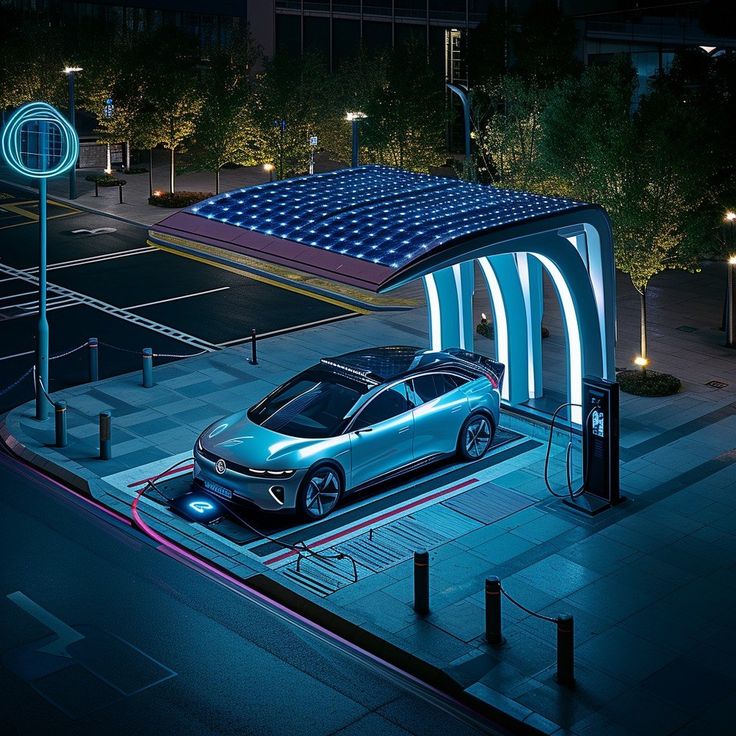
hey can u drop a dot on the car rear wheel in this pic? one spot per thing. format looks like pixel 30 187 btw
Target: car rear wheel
pixel 476 437
pixel 320 492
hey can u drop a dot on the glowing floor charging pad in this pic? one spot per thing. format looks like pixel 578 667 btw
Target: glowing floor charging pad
pixel 196 506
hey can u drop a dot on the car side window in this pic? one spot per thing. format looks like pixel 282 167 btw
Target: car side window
pixel 389 403
pixel 433 385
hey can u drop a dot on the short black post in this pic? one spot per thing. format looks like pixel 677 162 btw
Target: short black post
pixel 97 189
pixel 147 367
pixel 60 423
pixel 494 635
pixel 105 435
pixel 120 190
pixel 93 359
pixel 253 356
pixel 421 582
pixel 565 650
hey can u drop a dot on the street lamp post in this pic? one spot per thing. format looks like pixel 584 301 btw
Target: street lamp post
pixel 731 287
pixel 269 168
pixel 354 119
pixel 71 72
pixel 462 93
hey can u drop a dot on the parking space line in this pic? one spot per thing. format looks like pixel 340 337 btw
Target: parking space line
pixel 113 311
pixel 177 298
pixel 262 279
pixel 94 259
pixel 13 296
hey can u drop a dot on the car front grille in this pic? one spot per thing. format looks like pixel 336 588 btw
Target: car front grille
pixel 235 467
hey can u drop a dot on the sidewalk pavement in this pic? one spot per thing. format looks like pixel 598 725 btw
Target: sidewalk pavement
pixel 135 207
pixel 650 584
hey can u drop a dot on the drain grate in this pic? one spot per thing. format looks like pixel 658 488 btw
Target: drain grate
pixel 488 503
pixel 323 576
pixel 716 384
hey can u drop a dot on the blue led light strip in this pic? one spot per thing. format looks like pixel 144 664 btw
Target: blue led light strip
pixel 378 214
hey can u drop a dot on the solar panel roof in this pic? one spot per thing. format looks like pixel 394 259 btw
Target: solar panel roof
pixel 378 214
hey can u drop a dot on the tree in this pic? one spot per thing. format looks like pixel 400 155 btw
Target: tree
pixel 227 131
pixel 650 169
pixel 294 101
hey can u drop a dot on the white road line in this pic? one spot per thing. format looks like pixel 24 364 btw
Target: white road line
pixel 176 298
pixel 12 296
pixel 337 318
pixel 99 258
pixel 17 355
pixel 113 311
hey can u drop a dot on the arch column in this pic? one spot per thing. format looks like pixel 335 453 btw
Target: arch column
pixel 449 293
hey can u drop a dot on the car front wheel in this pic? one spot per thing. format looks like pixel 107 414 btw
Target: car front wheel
pixel 320 492
pixel 476 437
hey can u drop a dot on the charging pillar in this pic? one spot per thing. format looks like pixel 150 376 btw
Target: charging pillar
pixel 600 447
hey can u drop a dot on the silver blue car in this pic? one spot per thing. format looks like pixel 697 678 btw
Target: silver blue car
pixel 348 423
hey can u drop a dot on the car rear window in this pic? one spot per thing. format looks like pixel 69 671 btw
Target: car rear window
pixel 311 405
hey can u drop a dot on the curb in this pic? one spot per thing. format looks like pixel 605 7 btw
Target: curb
pixel 165 244
pixel 478 697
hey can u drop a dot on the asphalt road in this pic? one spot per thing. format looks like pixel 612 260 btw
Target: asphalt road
pixel 105 282
pixel 147 645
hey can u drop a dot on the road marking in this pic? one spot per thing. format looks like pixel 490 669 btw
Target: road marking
pixel 17 355
pixel 262 279
pixel 284 330
pixel 12 296
pixel 65 635
pixel 176 298
pixel 94 259
pixel 119 312
pixel 95 231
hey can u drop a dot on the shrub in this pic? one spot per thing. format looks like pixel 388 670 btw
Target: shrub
pixel 135 170
pixel 649 383
pixel 105 180
pixel 178 199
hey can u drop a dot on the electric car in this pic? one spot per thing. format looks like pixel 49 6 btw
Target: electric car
pixel 348 423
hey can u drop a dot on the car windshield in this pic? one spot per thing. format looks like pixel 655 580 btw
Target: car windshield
pixel 312 404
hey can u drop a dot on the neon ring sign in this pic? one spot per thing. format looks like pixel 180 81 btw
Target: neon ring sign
pixel 39 142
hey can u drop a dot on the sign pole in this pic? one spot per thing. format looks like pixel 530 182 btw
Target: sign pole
pixel 42 348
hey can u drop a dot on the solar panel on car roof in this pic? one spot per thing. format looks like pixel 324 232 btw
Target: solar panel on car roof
pixel 383 362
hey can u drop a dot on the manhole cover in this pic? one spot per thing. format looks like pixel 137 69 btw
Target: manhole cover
pixel 716 384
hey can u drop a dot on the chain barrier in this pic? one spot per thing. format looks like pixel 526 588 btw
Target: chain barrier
pixel 68 352
pixel 121 350
pixel 155 355
pixel 527 610
pixel 174 355
pixel 9 388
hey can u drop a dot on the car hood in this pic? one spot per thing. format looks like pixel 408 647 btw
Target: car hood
pixel 235 438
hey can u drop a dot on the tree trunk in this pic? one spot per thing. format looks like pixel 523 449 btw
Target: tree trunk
pixel 150 172
pixel 172 173
pixel 643 325
pixel 217 181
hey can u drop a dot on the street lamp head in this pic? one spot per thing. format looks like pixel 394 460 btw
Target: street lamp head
pixel 268 167
pixel 730 216
pixel 732 261
pixel 641 362
pixel 351 116
pixel 72 69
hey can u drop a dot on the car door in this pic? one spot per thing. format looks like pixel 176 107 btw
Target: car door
pixel 439 412
pixel 381 435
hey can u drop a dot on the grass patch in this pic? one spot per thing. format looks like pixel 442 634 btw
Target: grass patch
pixel 649 383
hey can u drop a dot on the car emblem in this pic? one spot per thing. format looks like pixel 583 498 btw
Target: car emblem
pixel 220 467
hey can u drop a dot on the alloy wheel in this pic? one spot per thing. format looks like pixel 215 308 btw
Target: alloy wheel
pixel 322 493
pixel 477 437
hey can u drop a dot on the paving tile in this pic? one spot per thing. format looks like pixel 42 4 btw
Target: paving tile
pixel 558 576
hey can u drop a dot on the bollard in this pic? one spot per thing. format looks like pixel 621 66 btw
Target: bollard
pixel 565 650
pixel 97 189
pixel 93 359
pixel 494 635
pixel 253 356
pixel 147 367
pixel 421 582
pixel 120 190
pixel 105 435
pixel 60 423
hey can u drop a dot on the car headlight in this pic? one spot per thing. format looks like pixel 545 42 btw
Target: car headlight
pixel 271 473
pixel 199 444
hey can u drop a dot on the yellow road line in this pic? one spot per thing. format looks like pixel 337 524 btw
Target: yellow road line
pixel 35 221
pixel 15 208
pixel 262 279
